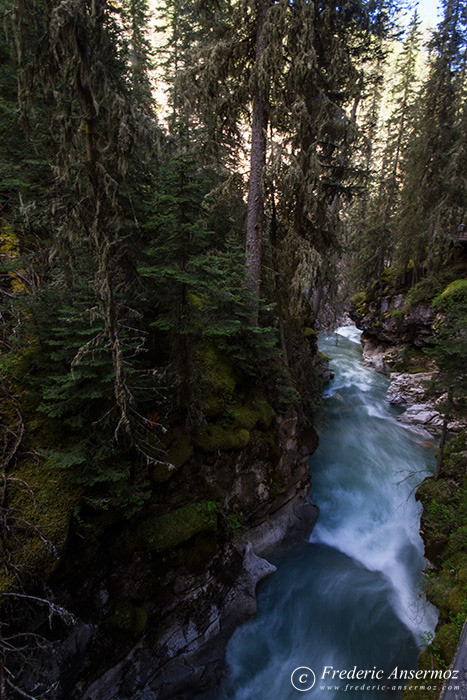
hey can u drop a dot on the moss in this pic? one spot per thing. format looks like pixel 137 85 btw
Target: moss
pixel 462 576
pixel 43 497
pixel 438 588
pixel 457 600
pixel 245 417
pixel 218 370
pixel 412 360
pixel 277 483
pixel 457 540
pixel 455 294
pixel 358 298
pixel 173 529
pixel 445 533
pixel 179 450
pixel 214 437
pixel 422 292
pixel 265 411
pixel 310 334
pixel 456 445
pixel 253 412
pixel 416 689
pixel 431 490
pixel 446 641
pixel 126 622
pixel 212 405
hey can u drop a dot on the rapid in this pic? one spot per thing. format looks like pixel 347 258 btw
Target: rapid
pixel 352 595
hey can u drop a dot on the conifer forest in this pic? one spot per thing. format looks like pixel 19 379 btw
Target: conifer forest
pixel 194 196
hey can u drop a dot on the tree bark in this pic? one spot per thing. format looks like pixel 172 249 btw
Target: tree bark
pixel 255 212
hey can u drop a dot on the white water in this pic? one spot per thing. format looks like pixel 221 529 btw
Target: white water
pixel 352 595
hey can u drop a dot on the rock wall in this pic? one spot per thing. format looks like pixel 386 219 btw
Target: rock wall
pixel 393 345
pixel 157 600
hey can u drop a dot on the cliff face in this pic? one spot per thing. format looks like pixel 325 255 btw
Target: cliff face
pixel 397 328
pixel 383 318
pixel 156 599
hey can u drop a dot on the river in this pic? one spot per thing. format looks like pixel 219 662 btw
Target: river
pixel 351 596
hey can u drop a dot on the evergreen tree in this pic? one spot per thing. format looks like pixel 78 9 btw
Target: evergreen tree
pixel 433 196
pixel 82 50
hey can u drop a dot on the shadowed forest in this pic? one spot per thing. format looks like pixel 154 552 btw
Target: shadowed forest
pixel 189 193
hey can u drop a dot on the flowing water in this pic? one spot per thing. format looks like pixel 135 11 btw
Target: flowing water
pixel 350 596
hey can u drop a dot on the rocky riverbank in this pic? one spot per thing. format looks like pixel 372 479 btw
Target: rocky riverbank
pixel 398 326
pixel 443 529
pixel 411 375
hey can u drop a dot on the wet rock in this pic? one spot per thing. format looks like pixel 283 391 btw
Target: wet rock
pixel 407 389
pixel 426 416
pixel 376 355
pixel 189 653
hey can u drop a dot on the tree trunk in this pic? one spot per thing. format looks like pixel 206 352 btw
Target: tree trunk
pixel 277 284
pixel 255 212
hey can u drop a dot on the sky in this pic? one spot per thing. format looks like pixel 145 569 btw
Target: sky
pixel 428 11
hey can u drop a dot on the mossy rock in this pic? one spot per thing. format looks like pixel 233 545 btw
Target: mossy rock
pixel 277 483
pixel 214 437
pixel 311 335
pixel 168 531
pixel 245 417
pixel 253 412
pixel 437 590
pixel 457 600
pixel 42 496
pixel 126 622
pixel 447 638
pixel 433 490
pixel 358 299
pixel 219 372
pixel 462 576
pixel 213 406
pixel 412 360
pixel 160 473
pixel 455 294
pixel 417 689
pixel 265 411
pixel 179 450
pixel 457 540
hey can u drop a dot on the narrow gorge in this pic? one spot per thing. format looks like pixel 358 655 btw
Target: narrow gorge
pixel 352 595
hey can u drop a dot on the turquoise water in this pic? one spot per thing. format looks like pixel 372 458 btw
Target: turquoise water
pixel 350 596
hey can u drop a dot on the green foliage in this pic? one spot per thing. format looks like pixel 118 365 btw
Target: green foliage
pixel 451 346
pixel 444 524
pixel 422 291
pixel 453 300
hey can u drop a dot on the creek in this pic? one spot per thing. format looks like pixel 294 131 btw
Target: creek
pixel 352 595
